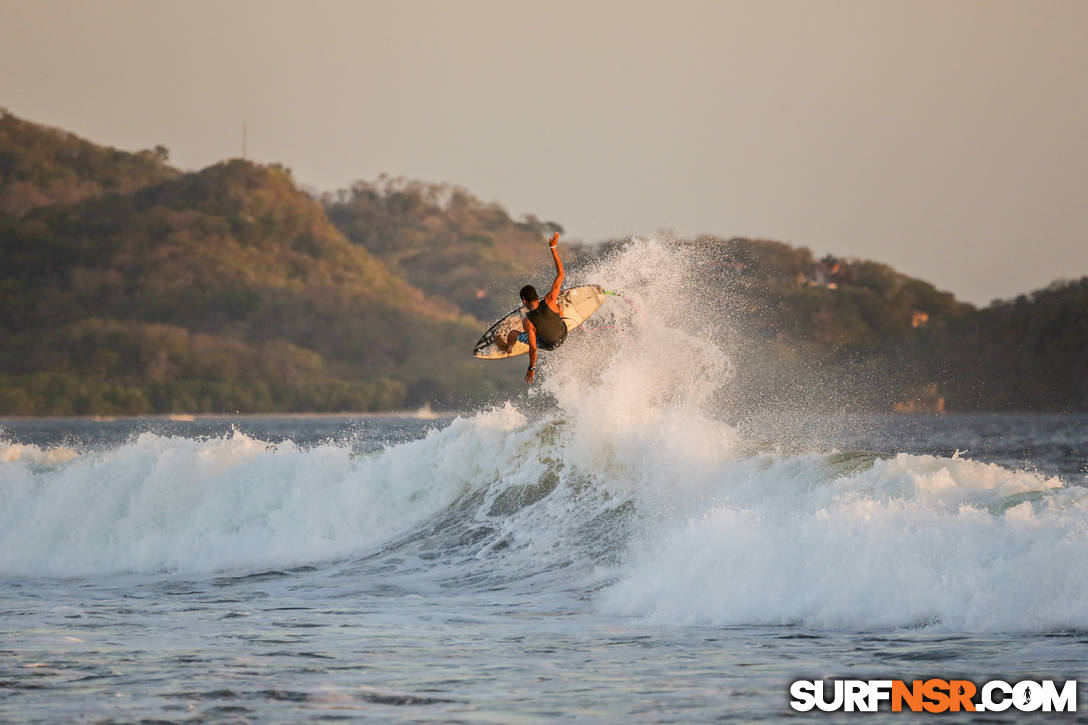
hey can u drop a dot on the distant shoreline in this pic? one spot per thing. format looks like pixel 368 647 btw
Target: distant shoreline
pixel 449 414
pixel 186 418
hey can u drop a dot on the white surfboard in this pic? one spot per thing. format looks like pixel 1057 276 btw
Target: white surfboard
pixel 575 305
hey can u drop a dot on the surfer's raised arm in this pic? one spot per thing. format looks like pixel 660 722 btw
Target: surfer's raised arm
pixel 553 293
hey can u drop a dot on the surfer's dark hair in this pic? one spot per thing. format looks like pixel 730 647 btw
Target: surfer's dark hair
pixel 528 293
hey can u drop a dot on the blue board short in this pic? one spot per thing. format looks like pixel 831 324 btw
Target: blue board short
pixel 524 337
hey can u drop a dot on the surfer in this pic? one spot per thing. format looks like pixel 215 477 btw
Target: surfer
pixel 543 323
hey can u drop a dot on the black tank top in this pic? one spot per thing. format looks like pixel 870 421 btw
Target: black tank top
pixel 550 328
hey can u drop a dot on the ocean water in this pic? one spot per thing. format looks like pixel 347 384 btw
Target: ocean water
pixel 610 546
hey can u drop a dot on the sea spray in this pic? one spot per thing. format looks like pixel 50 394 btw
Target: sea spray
pixel 726 537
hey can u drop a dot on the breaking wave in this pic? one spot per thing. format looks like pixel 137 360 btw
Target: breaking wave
pixel 614 479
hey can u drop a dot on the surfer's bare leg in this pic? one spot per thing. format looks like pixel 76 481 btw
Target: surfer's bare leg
pixel 507 344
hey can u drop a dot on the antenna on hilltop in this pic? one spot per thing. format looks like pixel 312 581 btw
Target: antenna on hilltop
pixel 245 130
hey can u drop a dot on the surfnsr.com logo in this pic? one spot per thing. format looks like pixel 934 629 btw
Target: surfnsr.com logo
pixel 933 695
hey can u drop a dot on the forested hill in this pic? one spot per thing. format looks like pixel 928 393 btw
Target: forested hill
pixel 1029 353
pixel 219 291
pixel 40 166
pixel 783 293
pixel 852 334
pixel 127 287
pixel 443 240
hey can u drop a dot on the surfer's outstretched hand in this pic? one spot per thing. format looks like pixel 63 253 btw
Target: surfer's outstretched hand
pixel 555 240
pixel 530 375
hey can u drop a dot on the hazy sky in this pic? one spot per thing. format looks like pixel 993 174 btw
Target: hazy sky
pixel 949 139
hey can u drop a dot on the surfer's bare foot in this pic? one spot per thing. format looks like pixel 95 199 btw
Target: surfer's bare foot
pixel 505 343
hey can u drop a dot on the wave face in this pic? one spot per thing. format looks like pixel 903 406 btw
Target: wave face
pixel 615 478
pixel 175 504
